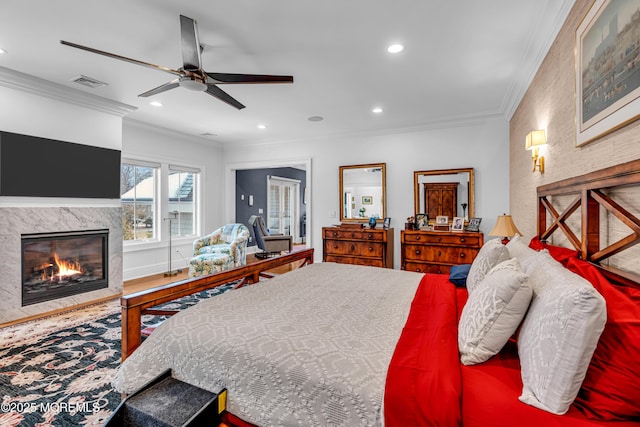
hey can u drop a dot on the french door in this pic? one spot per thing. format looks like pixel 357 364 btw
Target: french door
pixel 282 206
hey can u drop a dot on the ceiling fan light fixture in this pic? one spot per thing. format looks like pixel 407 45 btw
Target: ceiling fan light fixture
pixel 192 84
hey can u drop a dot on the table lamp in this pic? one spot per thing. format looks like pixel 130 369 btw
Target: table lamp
pixel 505 228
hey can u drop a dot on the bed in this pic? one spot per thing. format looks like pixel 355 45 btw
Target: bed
pixel 544 333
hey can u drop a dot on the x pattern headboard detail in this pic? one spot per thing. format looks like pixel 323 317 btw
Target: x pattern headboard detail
pixel 590 191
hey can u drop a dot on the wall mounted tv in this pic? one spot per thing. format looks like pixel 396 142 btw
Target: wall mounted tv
pixel 41 167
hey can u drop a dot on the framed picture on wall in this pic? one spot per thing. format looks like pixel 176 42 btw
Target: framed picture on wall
pixel 607 83
pixel 367 200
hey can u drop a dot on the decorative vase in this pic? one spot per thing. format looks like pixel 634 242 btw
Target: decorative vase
pixel 372 222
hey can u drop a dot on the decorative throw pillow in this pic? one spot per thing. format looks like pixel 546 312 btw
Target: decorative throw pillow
pixel 491 254
pixel 611 389
pixel 519 249
pixel 493 312
pixel 558 336
pixel 458 274
pixel 560 254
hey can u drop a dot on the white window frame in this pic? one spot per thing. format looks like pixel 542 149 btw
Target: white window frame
pixel 156 177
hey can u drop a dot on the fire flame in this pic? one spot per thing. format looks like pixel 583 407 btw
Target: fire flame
pixel 66 268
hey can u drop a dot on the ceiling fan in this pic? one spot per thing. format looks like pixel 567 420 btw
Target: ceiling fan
pixel 191 75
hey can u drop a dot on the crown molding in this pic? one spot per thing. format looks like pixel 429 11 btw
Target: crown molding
pixel 34 85
pixel 532 59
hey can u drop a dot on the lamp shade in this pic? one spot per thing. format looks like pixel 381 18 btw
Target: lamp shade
pixel 505 227
pixel 535 138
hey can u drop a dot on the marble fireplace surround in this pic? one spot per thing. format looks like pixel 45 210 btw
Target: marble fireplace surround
pixel 16 221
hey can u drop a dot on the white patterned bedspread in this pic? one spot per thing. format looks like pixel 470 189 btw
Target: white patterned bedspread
pixel 310 347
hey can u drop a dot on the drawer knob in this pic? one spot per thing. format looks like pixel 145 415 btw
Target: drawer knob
pixel 439 239
pixel 335 246
pixel 418 251
pixel 462 255
pixel 353 248
pixel 417 237
pixel 370 236
pixel 335 234
pixel 439 253
pixel 370 249
pixel 462 240
pixel 418 270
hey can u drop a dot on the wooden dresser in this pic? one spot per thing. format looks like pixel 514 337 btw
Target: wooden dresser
pixel 363 246
pixel 437 251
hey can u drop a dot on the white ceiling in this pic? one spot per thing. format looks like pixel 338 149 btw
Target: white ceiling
pixel 462 59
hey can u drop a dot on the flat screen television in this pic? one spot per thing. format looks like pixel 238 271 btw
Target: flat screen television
pixel 39 167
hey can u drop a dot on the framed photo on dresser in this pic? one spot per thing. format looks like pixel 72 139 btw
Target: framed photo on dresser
pixel 474 224
pixel 457 224
pixel 442 220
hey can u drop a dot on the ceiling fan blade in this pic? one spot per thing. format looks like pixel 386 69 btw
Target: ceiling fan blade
pixel 191 58
pixel 215 91
pixel 248 78
pixel 162 88
pixel 124 58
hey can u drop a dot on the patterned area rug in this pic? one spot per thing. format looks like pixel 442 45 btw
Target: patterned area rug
pixel 57 371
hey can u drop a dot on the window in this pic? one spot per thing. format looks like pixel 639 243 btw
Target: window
pixel 138 197
pixel 182 188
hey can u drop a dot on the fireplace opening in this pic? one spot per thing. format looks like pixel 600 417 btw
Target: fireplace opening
pixel 57 265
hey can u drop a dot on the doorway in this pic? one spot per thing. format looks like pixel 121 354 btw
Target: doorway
pixel 282 206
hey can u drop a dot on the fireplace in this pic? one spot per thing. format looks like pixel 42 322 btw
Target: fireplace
pixel 57 265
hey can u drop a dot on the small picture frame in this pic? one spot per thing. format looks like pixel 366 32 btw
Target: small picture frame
pixel 367 200
pixel 474 224
pixel 422 221
pixel 442 220
pixel 387 223
pixel 457 224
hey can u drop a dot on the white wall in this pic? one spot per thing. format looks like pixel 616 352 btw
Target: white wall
pixel 482 145
pixel 143 142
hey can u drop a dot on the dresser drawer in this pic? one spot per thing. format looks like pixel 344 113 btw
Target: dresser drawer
pixel 444 254
pixel 443 239
pixel 371 262
pixel 345 247
pixel 353 235
pixel 427 268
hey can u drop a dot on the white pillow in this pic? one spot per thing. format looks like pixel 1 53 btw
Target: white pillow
pixel 518 248
pixel 558 335
pixel 491 254
pixel 493 312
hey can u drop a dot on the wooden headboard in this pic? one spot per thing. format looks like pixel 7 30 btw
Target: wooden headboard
pixel 592 195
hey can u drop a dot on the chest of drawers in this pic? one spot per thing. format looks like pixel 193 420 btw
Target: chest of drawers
pixel 372 247
pixel 437 251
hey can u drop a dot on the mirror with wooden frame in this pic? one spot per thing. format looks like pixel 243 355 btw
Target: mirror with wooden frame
pixel 444 192
pixel 363 192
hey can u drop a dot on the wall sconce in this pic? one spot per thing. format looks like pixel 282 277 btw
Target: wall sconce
pixel 534 140
pixel 505 227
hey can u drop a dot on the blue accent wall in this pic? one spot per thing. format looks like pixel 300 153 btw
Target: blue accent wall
pixel 254 182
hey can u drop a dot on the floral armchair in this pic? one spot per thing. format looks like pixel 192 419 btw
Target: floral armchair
pixel 230 239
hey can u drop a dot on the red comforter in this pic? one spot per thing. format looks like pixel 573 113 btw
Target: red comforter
pixel 428 386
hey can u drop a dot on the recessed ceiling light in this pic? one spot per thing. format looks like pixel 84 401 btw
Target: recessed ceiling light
pixel 377 110
pixel 156 103
pixel 395 48
pixel 315 118
pixel 262 126
pixel 2 51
